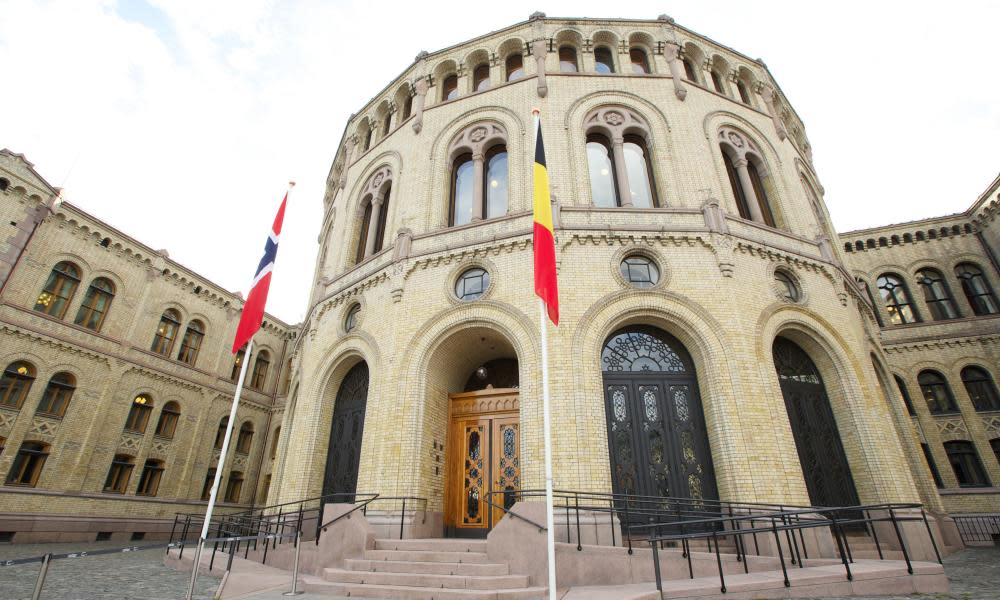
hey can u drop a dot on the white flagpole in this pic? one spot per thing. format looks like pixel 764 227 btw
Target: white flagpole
pixel 547 434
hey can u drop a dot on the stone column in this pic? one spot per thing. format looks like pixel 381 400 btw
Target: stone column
pixel 748 192
pixel 373 226
pixel 539 49
pixel 672 52
pixel 621 174
pixel 418 104
pixel 477 186
pixel 768 95
pixel 348 151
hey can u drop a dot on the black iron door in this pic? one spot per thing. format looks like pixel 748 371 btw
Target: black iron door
pixel 824 463
pixel 657 440
pixel 344 451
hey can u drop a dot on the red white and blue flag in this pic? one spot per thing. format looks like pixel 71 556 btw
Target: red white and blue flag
pixel 253 308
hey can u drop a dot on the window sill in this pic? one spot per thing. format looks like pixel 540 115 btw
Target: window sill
pixel 949 413
pixel 113 492
pixel 49 416
pixel 163 438
pixel 976 490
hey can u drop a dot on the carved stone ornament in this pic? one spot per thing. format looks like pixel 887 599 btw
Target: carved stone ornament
pixel 378 179
pixel 478 134
pixel 735 140
pixel 614 118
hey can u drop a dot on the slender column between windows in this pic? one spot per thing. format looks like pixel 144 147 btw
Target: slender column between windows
pixel 618 148
pixel 373 226
pixel 768 95
pixel 538 49
pixel 671 52
pixel 477 186
pixel 418 104
pixel 748 192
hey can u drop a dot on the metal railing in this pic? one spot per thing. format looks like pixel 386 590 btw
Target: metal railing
pixel 978 528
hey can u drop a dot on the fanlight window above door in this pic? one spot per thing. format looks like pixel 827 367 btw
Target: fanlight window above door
pixel 640 350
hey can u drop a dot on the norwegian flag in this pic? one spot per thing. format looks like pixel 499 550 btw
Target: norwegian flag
pixel 253 308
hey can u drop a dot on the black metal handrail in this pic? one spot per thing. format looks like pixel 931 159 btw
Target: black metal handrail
pixel 974 528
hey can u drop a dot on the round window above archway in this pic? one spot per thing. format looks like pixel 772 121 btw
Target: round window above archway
pixel 788 288
pixel 472 284
pixel 351 320
pixel 640 271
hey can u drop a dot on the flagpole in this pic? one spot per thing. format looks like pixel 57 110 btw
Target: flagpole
pixel 547 434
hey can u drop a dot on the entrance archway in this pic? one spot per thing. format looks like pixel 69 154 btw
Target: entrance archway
pixel 817 439
pixel 344 450
pixel 657 441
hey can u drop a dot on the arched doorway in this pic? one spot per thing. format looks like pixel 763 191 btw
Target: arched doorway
pixel 657 439
pixel 344 451
pixel 821 453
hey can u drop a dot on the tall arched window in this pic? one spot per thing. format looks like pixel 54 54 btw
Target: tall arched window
pixel 640 63
pixel 601 163
pixel 981 389
pixel 897 299
pixel 383 216
pixel 234 486
pixel 274 442
pixel 449 87
pixel 191 343
pixel 28 463
pixel 717 82
pixel 238 363
pixel 366 219
pixel 936 294
pixel 166 332
pixel 386 124
pixel 689 72
pixel 149 481
pixel 138 414
pixel 245 439
pixel 368 138
pixel 515 67
pixel 95 304
pixel 169 416
pixel 407 107
pixel 936 392
pixel 496 183
pixel 481 77
pixel 220 433
pixel 965 462
pixel 57 395
pixel 15 383
pixel 567 60
pixel 260 368
pixel 604 62
pixel 734 181
pixel 977 290
pixel 744 93
pixel 119 473
pixel 640 172
pixel 206 487
pixel 59 290
pixel 760 192
pixel 905 394
pixel 746 171
pixel 462 184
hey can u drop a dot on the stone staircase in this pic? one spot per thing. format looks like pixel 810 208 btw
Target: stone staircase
pixel 428 569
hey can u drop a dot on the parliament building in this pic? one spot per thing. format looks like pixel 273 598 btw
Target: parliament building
pixel 718 338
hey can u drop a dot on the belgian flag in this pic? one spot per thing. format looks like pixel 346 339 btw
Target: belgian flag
pixel 544 239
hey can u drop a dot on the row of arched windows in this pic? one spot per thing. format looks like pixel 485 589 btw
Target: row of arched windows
pixel 937 393
pixel 937 295
pixel 61 286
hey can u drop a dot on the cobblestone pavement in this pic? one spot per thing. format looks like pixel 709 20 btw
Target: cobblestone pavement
pixel 127 576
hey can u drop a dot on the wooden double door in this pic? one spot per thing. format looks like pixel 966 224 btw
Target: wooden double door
pixel 483 460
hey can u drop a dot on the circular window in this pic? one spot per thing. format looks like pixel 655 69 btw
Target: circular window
pixel 787 286
pixel 472 284
pixel 351 321
pixel 640 271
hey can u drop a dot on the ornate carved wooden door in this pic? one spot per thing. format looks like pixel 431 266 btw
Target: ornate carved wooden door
pixel 344 451
pixel 821 453
pixel 484 455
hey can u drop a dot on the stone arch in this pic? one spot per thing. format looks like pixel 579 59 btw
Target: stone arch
pixel 692 52
pixel 402 95
pixel 646 43
pixel 473 60
pixel 736 143
pixel 749 81
pixel 383 110
pixel 364 132
pixel 574 39
pixel 720 66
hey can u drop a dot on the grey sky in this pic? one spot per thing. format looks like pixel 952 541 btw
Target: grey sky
pixel 180 121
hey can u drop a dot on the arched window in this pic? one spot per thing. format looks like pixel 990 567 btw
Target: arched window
pixel 119 474
pixel 206 487
pixel 407 107
pixel 567 60
pixel 472 284
pixel 366 219
pixel 167 425
pixel 138 414
pixel 734 181
pixel 936 393
pixel 368 138
pixel 351 321
pixel 496 183
pixel 601 163
pixel 896 299
pixel 744 93
pixel 905 394
pixel 789 289
pixel 383 216
pixel 59 290
pixel 640 63
pixel 166 332
pixel 220 433
pixel 980 388
pixel 515 67
pixel 95 304
pixel 689 71
pixel 28 463
pixel 449 87
pixel 965 462
pixel 481 77
pixel 386 124
pixel 260 367
pixel 977 290
pixel 604 62
pixel 149 481
pixel 234 486
pixel 245 439
pixel 4 184
pixel 639 171
pixel 57 395
pixel 462 184
pixel 717 82
pixel 936 294
pixel 760 192
pixel 191 343
pixel 15 383
pixel 274 442
pixel 238 363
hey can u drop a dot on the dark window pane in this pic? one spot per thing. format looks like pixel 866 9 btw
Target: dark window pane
pixel 515 67
pixel 472 284
pixel 640 65
pixel 603 61
pixel 640 271
pixel 496 185
pixel 567 60
pixel 980 388
pixel 977 290
pixel 936 392
pixel 965 462
pixel 897 300
pixel 936 294
pixel 462 186
pixel 481 78
pixel 637 167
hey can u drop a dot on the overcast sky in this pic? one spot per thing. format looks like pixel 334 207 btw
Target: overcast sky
pixel 180 121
